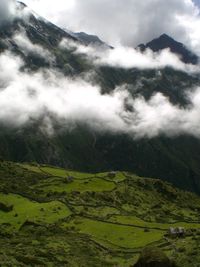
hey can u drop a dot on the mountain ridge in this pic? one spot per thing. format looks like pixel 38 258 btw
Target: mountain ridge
pixel 81 148
pixel 72 194
pixel 164 41
pixel 88 39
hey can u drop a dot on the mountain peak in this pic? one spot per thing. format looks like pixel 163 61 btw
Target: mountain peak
pixel 165 36
pixel 164 41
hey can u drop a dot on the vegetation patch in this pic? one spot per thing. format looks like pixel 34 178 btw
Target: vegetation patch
pixel 26 211
pixel 117 235
pixel 132 220
pixel 93 185
pixel 56 217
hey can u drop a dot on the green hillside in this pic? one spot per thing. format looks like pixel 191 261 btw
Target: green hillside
pixel 56 217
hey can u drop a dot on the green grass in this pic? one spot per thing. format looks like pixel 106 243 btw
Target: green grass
pixel 100 212
pixel 81 175
pixel 89 185
pixel 54 171
pixel 58 172
pixel 135 221
pixel 91 220
pixel 119 177
pixel 30 167
pixel 117 235
pixel 26 210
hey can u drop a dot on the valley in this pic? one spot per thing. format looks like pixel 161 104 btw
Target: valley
pixel 99 141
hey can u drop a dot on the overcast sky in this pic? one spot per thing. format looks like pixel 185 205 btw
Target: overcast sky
pixel 127 22
pixel 197 2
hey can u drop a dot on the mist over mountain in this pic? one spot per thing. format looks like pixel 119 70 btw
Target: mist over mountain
pixel 88 39
pixel 128 24
pixel 164 42
pixel 99 144
pixel 66 102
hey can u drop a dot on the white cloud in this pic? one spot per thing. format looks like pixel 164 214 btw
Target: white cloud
pixel 26 96
pixel 126 57
pixel 29 96
pixel 26 46
pixel 7 10
pixel 126 22
pixel 11 9
pixel 52 10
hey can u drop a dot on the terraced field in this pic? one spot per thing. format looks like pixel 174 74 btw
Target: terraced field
pixel 56 217
pixel 22 211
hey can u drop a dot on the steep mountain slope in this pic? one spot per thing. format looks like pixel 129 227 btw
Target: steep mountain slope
pixel 81 148
pixel 165 41
pixel 39 32
pixel 57 217
pixel 88 39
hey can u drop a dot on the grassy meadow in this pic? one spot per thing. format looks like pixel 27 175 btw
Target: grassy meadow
pixel 56 217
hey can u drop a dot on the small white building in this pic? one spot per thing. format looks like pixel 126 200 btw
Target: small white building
pixel 177 231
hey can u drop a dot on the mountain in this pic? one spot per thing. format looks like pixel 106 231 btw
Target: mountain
pixel 88 39
pixel 57 217
pixel 175 160
pixel 39 32
pixel 165 41
pixel 108 195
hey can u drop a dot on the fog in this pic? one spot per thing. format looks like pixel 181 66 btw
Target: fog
pixel 126 57
pixel 25 97
pixel 29 96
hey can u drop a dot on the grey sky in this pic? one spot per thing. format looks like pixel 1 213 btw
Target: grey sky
pixel 197 2
pixel 127 22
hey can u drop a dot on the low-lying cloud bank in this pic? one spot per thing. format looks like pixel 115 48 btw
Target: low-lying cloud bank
pixel 25 97
pixel 126 57
pixel 27 47
pixel 47 94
